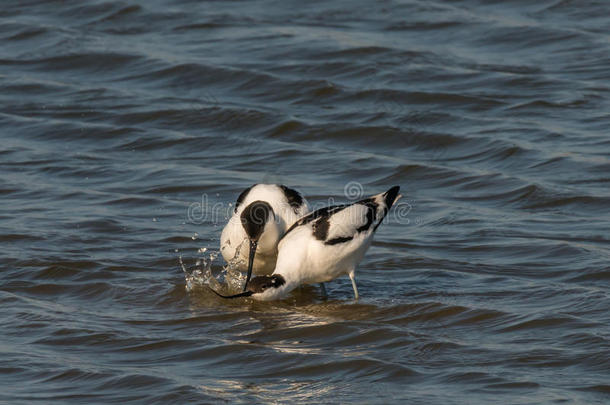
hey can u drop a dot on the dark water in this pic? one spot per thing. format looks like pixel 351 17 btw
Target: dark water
pixel 128 127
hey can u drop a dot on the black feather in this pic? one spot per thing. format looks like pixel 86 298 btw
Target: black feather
pixel 338 240
pixel 325 212
pixel 295 199
pixel 242 197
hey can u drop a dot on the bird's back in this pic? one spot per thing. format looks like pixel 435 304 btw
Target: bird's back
pixel 331 241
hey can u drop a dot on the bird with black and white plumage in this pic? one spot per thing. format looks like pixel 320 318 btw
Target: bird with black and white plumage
pixel 322 246
pixel 262 214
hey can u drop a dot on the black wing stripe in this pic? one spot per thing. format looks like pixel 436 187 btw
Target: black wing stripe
pixel 320 228
pixel 312 216
pixel 342 239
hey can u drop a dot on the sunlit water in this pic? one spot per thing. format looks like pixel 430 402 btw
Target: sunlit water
pixel 128 129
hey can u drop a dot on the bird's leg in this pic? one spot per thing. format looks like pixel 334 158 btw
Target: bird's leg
pixel 352 275
pixel 323 291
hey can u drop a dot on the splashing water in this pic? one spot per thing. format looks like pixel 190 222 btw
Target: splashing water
pixel 200 274
pixel 233 277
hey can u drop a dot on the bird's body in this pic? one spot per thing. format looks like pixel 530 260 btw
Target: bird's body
pixel 286 207
pixel 324 245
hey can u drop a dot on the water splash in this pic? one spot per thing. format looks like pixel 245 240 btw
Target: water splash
pixel 200 274
pixel 232 274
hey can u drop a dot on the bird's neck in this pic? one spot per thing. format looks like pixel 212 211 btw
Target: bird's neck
pixel 270 237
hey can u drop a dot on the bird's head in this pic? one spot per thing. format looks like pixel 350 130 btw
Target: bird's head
pixel 262 228
pixel 262 288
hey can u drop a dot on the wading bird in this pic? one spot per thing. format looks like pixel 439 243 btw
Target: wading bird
pixel 322 246
pixel 262 214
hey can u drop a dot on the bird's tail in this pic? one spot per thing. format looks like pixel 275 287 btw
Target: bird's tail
pixel 391 196
pixel 384 203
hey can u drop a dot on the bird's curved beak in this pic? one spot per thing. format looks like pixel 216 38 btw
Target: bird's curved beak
pixel 242 294
pixel 253 245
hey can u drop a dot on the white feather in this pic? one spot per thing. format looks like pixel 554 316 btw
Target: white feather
pixel 327 244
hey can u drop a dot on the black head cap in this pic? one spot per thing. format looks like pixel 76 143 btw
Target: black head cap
pixel 261 283
pixel 254 217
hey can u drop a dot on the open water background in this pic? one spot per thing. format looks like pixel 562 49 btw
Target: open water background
pixel 127 127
